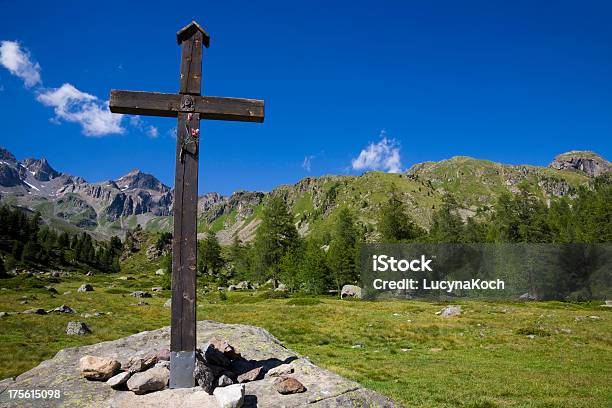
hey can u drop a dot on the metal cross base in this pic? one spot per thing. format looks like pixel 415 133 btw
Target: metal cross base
pixel 182 364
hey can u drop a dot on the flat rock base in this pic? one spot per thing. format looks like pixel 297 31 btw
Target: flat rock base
pixel 323 388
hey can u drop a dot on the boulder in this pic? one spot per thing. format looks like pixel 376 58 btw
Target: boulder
pixel 244 285
pixel 450 311
pixel 160 271
pixel 86 287
pixel 251 375
pixel 281 287
pixel 98 368
pixel 118 381
pixel 224 381
pixel 204 376
pixel 156 289
pixel 328 389
pixel 154 379
pixel 168 303
pixel 64 309
pixel 163 363
pixel 88 315
pixel 137 364
pixel 231 396
pixel 232 288
pixel 351 291
pixel 281 370
pixel 528 296
pixel 141 294
pixel 77 328
pixel 288 385
pixel 37 311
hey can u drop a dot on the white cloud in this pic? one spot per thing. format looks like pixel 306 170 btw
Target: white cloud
pixel 72 105
pixel 69 103
pixel 153 132
pixel 137 122
pixel 17 60
pixel 307 163
pixel 384 155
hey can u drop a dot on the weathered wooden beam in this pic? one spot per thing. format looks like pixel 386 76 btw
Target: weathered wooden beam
pixel 169 105
pixel 184 253
pixel 191 64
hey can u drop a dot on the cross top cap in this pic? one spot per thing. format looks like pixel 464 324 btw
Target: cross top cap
pixel 189 30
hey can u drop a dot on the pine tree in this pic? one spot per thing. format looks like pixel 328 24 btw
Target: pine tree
pixel 314 272
pixel 238 256
pixel 447 225
pixel 31 251
pixel 63 241
pixel 275 236
pixel 210 260
pixel 343 250
pixel 395 225
pixel 290 266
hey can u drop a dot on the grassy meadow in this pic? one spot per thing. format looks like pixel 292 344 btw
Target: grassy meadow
pixel 541 354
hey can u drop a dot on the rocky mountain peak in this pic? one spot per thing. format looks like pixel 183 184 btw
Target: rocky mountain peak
pixel 40 169
pixel 136 179
pixel 585 161
pixel 7 156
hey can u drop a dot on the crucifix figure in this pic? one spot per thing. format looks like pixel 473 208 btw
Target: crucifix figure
pixel 189 107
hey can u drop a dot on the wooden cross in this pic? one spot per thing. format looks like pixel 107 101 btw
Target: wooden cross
pixel 189 107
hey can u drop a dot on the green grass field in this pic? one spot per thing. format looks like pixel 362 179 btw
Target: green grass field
pixel 483 358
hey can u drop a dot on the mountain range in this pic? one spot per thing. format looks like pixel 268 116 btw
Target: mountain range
pixel 112 207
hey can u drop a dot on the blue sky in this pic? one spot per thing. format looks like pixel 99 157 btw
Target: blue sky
pixel 348 86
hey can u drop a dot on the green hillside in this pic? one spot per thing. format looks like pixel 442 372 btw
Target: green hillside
pixel 314 201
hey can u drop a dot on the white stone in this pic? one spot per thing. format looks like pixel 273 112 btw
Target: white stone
pixel 231 396
pixel 350 291
pixel 281 370
pixel 119 379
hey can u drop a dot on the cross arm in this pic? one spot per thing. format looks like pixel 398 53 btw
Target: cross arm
pixel 169 105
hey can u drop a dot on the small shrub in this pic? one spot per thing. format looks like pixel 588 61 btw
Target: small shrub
pixel 526 331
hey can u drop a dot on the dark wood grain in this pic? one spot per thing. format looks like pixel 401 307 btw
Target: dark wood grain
pixel 168 105
pixel 184 253
pixel 191 65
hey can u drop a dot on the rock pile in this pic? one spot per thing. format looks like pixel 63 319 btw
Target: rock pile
pixel 218 365
pixel 238 366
